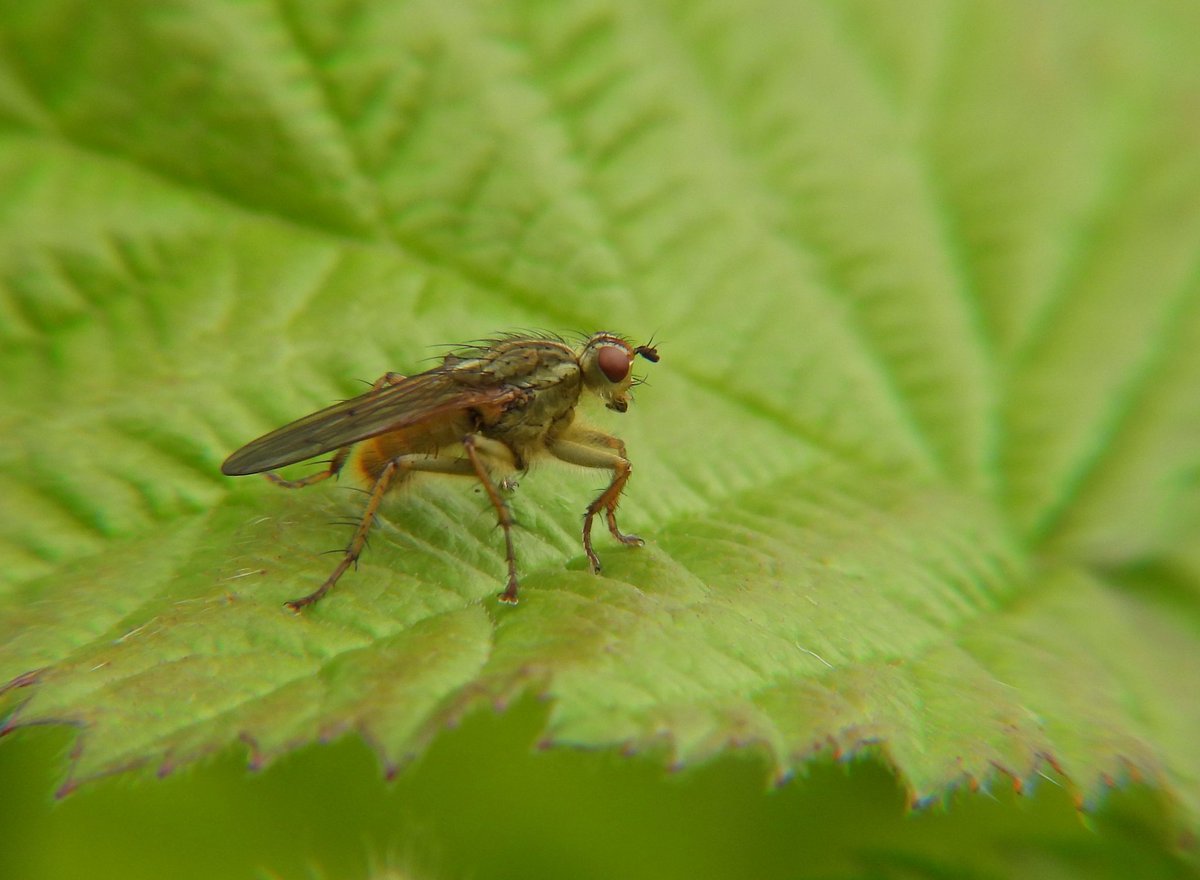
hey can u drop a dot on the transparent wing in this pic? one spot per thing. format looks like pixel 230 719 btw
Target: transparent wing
pixel 418 399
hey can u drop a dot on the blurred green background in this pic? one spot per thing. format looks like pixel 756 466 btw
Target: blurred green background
pixel 486 803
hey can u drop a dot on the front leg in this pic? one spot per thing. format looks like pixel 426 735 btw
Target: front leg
pixel 596 450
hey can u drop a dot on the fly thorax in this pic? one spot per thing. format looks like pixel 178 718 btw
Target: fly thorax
pixel 551 393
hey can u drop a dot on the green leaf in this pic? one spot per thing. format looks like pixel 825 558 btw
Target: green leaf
pixel 920 468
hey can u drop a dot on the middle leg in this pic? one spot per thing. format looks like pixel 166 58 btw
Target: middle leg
pixel 476 447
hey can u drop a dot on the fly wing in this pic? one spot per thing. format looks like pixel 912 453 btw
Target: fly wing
pixel 417 399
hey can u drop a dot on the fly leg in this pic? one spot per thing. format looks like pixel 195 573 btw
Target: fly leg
pixel 335 466
pixel 382 483
pixel 596 450
pixel 476 447
pixel 339 458
pixel 394 470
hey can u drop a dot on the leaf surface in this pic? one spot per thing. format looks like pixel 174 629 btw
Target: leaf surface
pixel 919 468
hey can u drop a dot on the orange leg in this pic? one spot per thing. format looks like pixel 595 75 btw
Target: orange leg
pixel 395 470
pixel 471 444
pixel 382 484
pixel 335 465
pixel 596 450
pixel 339 459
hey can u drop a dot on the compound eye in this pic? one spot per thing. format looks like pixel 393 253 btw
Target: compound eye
pixel 614 363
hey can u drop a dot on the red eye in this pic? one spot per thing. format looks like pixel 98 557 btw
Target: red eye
pixel 614 363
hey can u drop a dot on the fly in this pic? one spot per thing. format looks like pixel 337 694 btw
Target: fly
pixel 492 406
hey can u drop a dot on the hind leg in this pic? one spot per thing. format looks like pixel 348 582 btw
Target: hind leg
pixel 339 458
pixel 335 466
pixel 393 471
